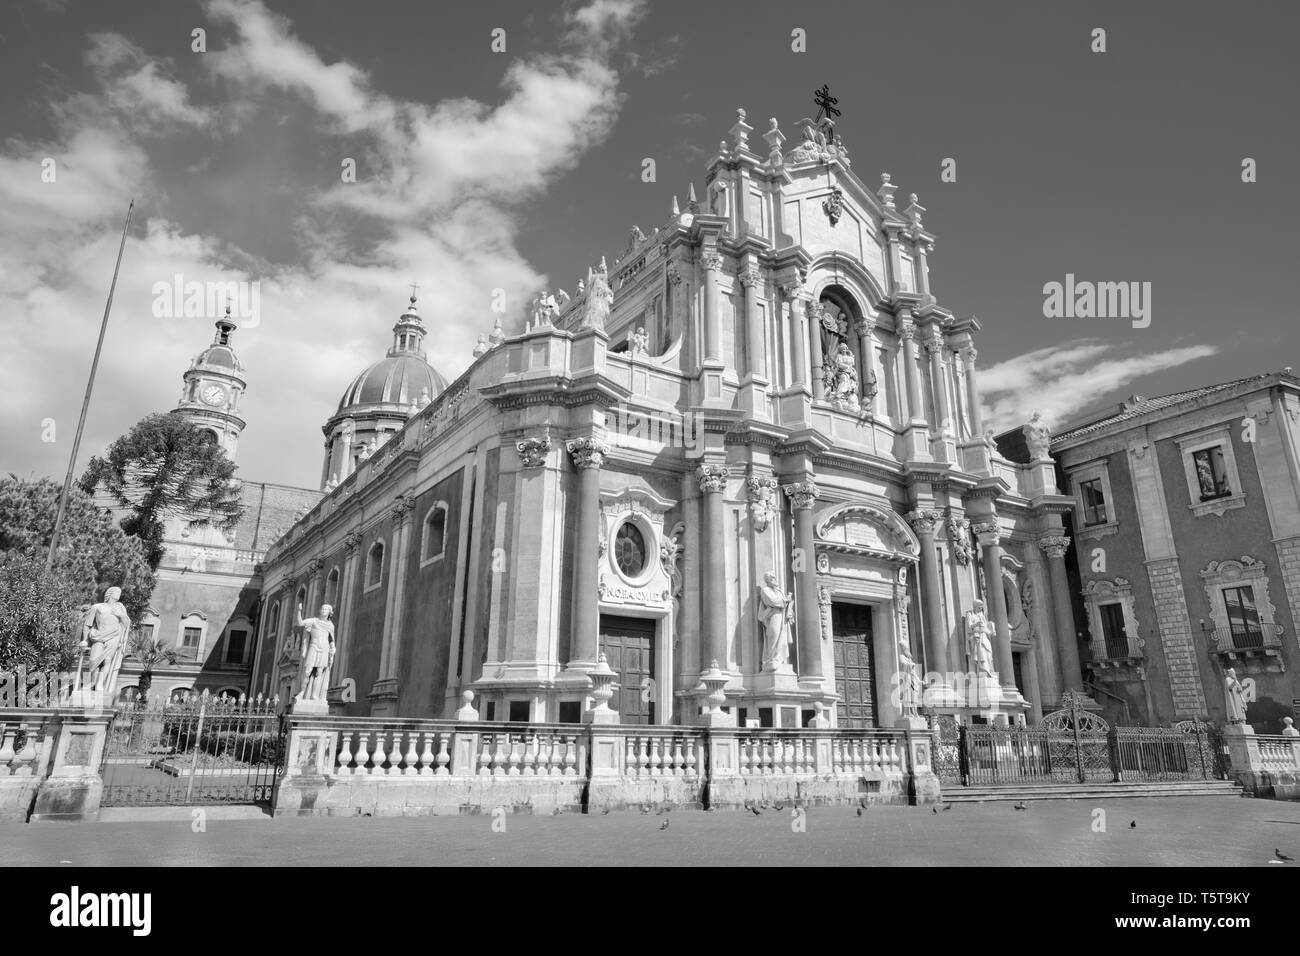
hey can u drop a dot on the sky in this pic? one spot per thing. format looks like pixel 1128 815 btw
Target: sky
pixel 479 170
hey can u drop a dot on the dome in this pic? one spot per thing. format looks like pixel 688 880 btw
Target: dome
pixel 394 380
pixel 220 355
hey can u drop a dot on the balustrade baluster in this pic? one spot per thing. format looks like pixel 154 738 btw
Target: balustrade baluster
pixel 798 755
pixel 6 750
pixel 691 744
pixel 426 753
pixel 643 757
pixel 530 757
pixel 557 755
pixel 512 758
pixel 444 758
pixel 630 765
pixel 485 756
pixel 570 756
pixel 499 743
pixel 344 754
pixel 655 762
pixel 412 759
pixel 363 753
pixel 27 756
pixel 679 765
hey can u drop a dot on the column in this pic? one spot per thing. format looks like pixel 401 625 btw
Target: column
pixel 972 394
pixel 397 586
pixel 924 522
pixel 1054 546
pixel 803 495
pixel 986 533
pixel 713 484
pixel 345 455
pixel 934 347
pixel 712 320
pixel 867 362
pixel 755 340
pixel 798 339
pixel 588 455
pixel 907 332
pixel 383 694
pixel 342 626
pixel 814 312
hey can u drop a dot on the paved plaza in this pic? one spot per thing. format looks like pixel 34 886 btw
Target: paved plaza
pixel 1170 832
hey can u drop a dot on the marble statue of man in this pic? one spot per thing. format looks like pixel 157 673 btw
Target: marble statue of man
pixel 909 680
pixel 774 613
pixel 317 654
pixel 103 635
pixel 1038 436
pixel 846 376
pixel 1234 697
pixel 979 645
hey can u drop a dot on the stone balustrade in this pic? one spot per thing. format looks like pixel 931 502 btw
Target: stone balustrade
pixel 1279 754
pixel 344 765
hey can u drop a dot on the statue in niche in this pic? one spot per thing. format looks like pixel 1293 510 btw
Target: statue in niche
pixel 844 383
pixel 979 640
pixel 774 614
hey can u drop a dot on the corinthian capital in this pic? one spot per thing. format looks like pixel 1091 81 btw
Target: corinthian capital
pixel 351 541
pixel 970 353
pixel 934 342
pixel 750 277
pixel 401 509
pixel 986 531
pixel 802 494
pixel 587 452
pixel 533 451
pixel 906 329
pixel 713 478
pixel 712 262
pixel 924 521
pixel 1054 545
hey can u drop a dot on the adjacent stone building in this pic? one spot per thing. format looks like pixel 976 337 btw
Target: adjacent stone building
pixel 206 603
pixel 1187 521
pixel 764 383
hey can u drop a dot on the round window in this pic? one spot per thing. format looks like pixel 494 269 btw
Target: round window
pixel 629 549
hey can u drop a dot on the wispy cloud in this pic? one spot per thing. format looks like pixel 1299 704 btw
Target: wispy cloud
pixel 437 202
pixel 1062 381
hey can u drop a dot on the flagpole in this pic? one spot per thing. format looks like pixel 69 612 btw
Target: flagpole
pixel 85 402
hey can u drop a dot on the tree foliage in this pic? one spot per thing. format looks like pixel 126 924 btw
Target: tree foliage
pixel 166 467
pixel 151 653
pixel 41 612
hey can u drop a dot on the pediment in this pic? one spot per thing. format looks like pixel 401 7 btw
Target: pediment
pixel 867 529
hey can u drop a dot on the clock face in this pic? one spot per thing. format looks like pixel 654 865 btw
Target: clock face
pixel 213 395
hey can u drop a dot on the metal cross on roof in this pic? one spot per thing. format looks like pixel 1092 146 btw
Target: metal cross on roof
pixel 414 287
pixel 825 103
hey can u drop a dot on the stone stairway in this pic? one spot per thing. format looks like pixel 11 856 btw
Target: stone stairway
pixel 1093 791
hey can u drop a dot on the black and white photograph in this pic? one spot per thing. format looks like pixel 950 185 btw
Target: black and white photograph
pixel 646 434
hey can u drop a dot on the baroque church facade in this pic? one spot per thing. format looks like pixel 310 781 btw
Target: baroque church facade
pixel 752 443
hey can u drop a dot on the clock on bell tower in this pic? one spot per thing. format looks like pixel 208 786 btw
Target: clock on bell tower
pixel 213 386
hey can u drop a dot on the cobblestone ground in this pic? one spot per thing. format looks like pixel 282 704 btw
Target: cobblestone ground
pixel 1178 831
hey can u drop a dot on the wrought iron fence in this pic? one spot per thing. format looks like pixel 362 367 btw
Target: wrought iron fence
pixel 202 750
pixel 1074 746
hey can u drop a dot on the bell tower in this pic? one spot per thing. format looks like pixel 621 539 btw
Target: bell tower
pixel 213 386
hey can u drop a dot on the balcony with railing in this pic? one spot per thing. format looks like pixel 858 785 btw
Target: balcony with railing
pixel 1257 643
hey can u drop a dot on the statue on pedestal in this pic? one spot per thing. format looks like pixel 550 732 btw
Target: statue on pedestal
pixel 909 681
pixel 979 643
pixel 1234 694
pixel 317 654
pixel 1038 436
pixel 103 636
pixel 774 613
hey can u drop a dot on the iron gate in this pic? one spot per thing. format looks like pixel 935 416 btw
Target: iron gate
pixel 1073 745
pixel 202 750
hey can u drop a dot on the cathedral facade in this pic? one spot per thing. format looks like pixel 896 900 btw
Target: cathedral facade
pixel 751 444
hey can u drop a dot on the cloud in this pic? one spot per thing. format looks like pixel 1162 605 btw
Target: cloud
pixel 1064 380
pixel 438 204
